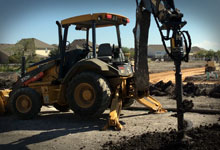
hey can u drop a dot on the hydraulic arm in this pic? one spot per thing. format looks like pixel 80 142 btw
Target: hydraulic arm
pixel 168 19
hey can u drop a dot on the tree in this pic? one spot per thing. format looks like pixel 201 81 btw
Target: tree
pixel 217 55
pixel 201 54
pixel 24 47
pixel 210 54
pixel 131 54
pixel 55 52
pixel 125 50
pixel 15 58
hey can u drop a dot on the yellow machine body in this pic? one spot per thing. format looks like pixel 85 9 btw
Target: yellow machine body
pixel 84 21
pixel 4 96
pixel 50 93
pixel 51 88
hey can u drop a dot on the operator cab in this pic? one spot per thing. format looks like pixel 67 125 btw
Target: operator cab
pixel 110 54
pixel 105 52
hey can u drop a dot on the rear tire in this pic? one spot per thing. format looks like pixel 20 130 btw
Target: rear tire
pixel 25 103
pixel 88 94
pixel 61 108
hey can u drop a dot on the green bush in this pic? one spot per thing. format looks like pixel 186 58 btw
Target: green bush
pixel 127 50
pixel 14 58
pixel 9 68
pixel 54 53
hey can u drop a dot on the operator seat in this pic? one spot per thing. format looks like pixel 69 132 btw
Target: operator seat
pixel 105 52
pixel 72 57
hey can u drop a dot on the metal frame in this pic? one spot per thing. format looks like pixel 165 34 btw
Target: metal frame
pixel 94 38
pixel 118 35
pixel 62 45
pixel 63 39
pixel 87 38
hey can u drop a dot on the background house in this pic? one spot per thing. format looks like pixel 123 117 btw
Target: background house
pixel 35 46
pixel 33 49
pixel 156 51
pixel 80 44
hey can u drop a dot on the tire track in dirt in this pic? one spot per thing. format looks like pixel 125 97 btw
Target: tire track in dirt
pixel 170 75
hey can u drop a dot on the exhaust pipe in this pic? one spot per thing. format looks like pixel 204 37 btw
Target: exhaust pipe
pixel 60 47
pixel 59 35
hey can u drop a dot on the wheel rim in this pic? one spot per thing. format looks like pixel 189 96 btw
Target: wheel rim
pixel 23 104
pixel 84 95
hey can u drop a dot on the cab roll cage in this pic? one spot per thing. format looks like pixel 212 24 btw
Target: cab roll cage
pixel 63 39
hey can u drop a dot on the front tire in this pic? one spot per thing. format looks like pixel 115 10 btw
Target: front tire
pixel 88 94
pixel 25 103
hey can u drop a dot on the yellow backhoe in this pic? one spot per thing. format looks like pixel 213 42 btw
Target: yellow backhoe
pixel 89 80
pixel 84 80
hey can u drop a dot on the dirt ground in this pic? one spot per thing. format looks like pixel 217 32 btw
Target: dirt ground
pixel 170 75
pixel 194 71
pixel 54 130
pixel 155 67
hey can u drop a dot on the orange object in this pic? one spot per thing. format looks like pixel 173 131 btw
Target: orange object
pixel 35 78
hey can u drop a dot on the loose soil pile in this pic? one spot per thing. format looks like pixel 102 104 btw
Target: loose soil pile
pixel 189 89
pixel 202 138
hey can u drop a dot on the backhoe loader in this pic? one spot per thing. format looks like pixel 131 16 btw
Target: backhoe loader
pixel 87 80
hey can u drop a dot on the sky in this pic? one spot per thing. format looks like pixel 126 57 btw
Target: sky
pixel 36 19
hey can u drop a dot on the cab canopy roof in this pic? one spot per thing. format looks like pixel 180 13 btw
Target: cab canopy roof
pixel 101 20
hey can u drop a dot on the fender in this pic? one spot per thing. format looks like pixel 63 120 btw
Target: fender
pixel 93 65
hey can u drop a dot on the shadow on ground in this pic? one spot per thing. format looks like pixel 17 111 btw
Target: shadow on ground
pixel 51 124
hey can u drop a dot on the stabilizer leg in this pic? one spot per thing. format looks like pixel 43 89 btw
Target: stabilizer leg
pixel 4 95
pixel 2 106
pixel 114 114
pixel 152 103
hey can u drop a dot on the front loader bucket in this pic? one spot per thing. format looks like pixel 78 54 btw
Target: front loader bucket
pixel 4 95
